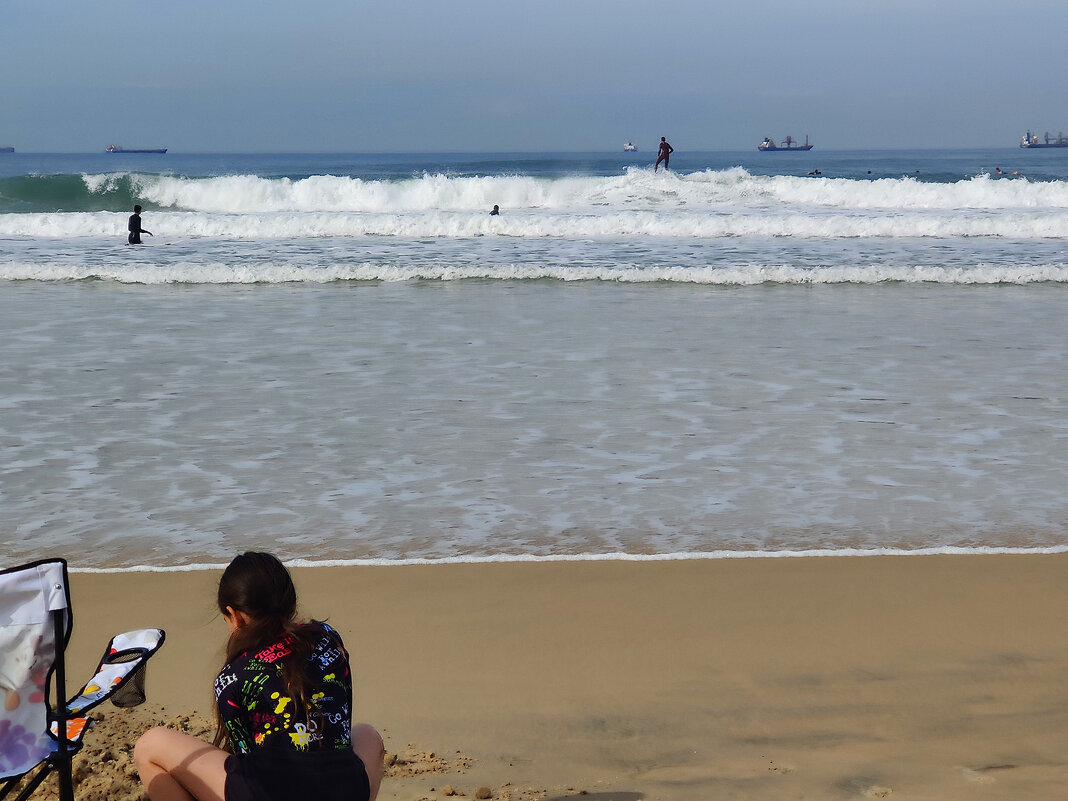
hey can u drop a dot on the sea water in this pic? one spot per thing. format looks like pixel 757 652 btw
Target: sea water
pixel 345 358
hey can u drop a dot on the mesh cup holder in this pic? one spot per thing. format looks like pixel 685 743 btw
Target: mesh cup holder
pixel 132 693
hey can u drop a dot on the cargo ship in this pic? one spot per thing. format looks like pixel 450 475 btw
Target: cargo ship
pixel 630 147
pixel 6 149
pixel 1030 140
pixel 120 149
pixel 768 145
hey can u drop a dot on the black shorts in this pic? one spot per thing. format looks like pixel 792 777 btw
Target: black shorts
pixel 269 774
pixel 134 238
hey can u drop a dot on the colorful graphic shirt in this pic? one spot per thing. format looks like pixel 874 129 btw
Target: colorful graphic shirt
pixel 258 713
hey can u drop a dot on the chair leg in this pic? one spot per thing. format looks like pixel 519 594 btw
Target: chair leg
pixel 8 786
pixel 61 760
pixel 35 782
pixel 62 767
pixel 66 779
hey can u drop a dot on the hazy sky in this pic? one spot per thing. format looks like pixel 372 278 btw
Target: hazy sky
pixel 426 75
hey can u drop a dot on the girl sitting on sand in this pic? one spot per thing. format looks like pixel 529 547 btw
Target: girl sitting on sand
pixel 283 706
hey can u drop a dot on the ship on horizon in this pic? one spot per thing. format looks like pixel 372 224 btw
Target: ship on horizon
pixel 121 149
pixel 630 147
pixel 768 145
pixel 1030 140
pixel 6 149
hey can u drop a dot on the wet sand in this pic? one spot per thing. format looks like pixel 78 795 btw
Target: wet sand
pixel 932 677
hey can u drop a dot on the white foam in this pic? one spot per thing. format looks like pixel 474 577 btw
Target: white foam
pixel 609 557
pixel 252 272
pixel 637 204
pixel 636 188
pixel 541 224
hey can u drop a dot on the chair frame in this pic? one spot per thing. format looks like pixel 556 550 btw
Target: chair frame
pixel 61 758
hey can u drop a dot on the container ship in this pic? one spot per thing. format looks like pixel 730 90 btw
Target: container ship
pixel 6 149
pixel 1030 140
pixel 120 149
pixel 768 145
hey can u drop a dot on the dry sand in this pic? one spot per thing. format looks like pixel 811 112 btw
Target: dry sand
pixel 933 677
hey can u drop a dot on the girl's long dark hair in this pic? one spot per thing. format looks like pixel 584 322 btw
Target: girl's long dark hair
pixel 260 587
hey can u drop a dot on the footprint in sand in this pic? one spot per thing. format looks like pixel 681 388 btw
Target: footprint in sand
pixel 982 775
pixel 976 776
pixel 414 762
pixel 676 774
pixel 877 792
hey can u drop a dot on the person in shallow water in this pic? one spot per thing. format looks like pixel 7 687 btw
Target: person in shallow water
pixel 283 708
pixel 135 227
pixel 663 154
pixel 496 211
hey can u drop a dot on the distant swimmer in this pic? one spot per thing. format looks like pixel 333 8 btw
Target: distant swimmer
pixel 663 154
pixel 815 172
pixel 496 211
pixel 135 227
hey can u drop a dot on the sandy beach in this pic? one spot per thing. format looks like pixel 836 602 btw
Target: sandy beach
pixel 931 677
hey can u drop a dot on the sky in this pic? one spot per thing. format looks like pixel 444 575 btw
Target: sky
pixel 542 75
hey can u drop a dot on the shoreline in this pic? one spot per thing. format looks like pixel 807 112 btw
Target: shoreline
pixel 744 678
pixel 509 559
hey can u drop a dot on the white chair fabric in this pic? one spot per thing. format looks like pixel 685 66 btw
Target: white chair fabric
pixel 28 597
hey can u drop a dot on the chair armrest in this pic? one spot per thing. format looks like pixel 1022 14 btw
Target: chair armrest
pixel 120 675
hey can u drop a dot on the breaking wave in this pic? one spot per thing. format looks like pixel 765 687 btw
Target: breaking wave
pixel 717 227
pixel 636 190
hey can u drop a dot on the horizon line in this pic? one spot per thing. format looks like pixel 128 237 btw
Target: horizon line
pixel 483 151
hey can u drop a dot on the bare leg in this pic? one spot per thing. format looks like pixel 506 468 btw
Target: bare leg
pixel 367 743
pixel 177 767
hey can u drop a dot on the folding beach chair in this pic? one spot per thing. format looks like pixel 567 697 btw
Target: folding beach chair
pixel 35 625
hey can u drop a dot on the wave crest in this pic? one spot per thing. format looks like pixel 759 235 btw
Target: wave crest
pixel 636 188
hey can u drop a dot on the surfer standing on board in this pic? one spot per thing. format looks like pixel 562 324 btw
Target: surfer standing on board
pixel 663 154
pixel 135 227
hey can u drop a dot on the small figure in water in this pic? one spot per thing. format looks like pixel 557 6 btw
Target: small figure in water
pixel 815 172
pixel 663 154
pixel 496 211
pixel 135 227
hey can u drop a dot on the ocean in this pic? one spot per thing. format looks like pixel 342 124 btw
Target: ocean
pixel 345 359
